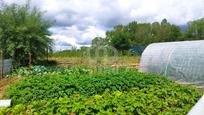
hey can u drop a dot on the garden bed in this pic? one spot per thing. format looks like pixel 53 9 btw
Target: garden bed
pixel 81 90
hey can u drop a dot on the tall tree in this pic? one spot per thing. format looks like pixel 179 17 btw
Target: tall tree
pixel 195 30
pixel 119 38
pixel 122 37
pixel 24 33
pixel 99 41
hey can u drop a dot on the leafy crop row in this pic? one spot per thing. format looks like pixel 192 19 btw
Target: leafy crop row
pixel 149 100
pixel 83 91
pixel 55 86
pixel 51 70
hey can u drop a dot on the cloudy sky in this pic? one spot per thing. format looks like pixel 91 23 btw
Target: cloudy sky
pixel 77 22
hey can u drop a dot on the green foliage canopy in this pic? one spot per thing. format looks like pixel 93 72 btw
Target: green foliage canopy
pixel 122 37
pixel 195 30
pixel 23 31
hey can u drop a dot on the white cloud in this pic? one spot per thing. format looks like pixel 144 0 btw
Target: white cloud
pixel 79 21
pixel 75 36
pixel 178 12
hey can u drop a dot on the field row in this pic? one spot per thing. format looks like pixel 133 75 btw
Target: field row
pixel 77 90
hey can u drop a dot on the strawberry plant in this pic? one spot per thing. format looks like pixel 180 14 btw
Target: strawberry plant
pixel 55 86
pixel 151 100
pixel 77 90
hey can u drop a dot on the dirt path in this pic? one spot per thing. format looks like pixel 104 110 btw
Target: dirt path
pixel 4 83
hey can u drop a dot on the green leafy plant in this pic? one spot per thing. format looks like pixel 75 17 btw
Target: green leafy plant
pixel 74 91
pixel 151 100
pixel 50 70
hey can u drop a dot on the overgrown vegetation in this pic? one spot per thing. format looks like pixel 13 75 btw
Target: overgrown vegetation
pixel 23 33
pixel 81 90
pixel 92 52
pixel 127 61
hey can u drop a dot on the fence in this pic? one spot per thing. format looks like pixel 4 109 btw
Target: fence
pixel 5 67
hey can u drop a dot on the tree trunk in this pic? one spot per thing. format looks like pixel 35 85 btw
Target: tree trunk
pixel 30 61
pixel 2 66
pixel 47 55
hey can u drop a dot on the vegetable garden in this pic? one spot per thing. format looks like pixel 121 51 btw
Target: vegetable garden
pixel 83 90
pixel 110 87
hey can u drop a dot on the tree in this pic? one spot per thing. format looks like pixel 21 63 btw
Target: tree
pixel 24 33
pixel 122 37
pixel 120 41
pixel 99 41
pixel 195 30
pixel 118 38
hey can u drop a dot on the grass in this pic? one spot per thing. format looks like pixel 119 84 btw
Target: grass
pixel 109 61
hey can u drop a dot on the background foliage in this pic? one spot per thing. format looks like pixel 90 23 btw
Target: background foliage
pixel 123 37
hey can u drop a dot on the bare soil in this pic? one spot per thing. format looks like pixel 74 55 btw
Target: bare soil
pixel 4 83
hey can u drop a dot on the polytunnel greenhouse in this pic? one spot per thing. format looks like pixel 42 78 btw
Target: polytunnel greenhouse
pixel 182 61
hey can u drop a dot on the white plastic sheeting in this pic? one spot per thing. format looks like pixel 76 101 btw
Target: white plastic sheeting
pixel 198 108
pixel 183 61
pixel 5 103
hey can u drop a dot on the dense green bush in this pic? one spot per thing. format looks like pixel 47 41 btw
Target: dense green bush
pixel 125 91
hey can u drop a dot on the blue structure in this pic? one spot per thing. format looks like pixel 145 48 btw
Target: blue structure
pixel 138 50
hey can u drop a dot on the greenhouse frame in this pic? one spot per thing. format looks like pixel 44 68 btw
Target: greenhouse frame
pixel 180 61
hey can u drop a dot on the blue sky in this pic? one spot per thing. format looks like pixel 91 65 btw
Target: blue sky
pixel 77 22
